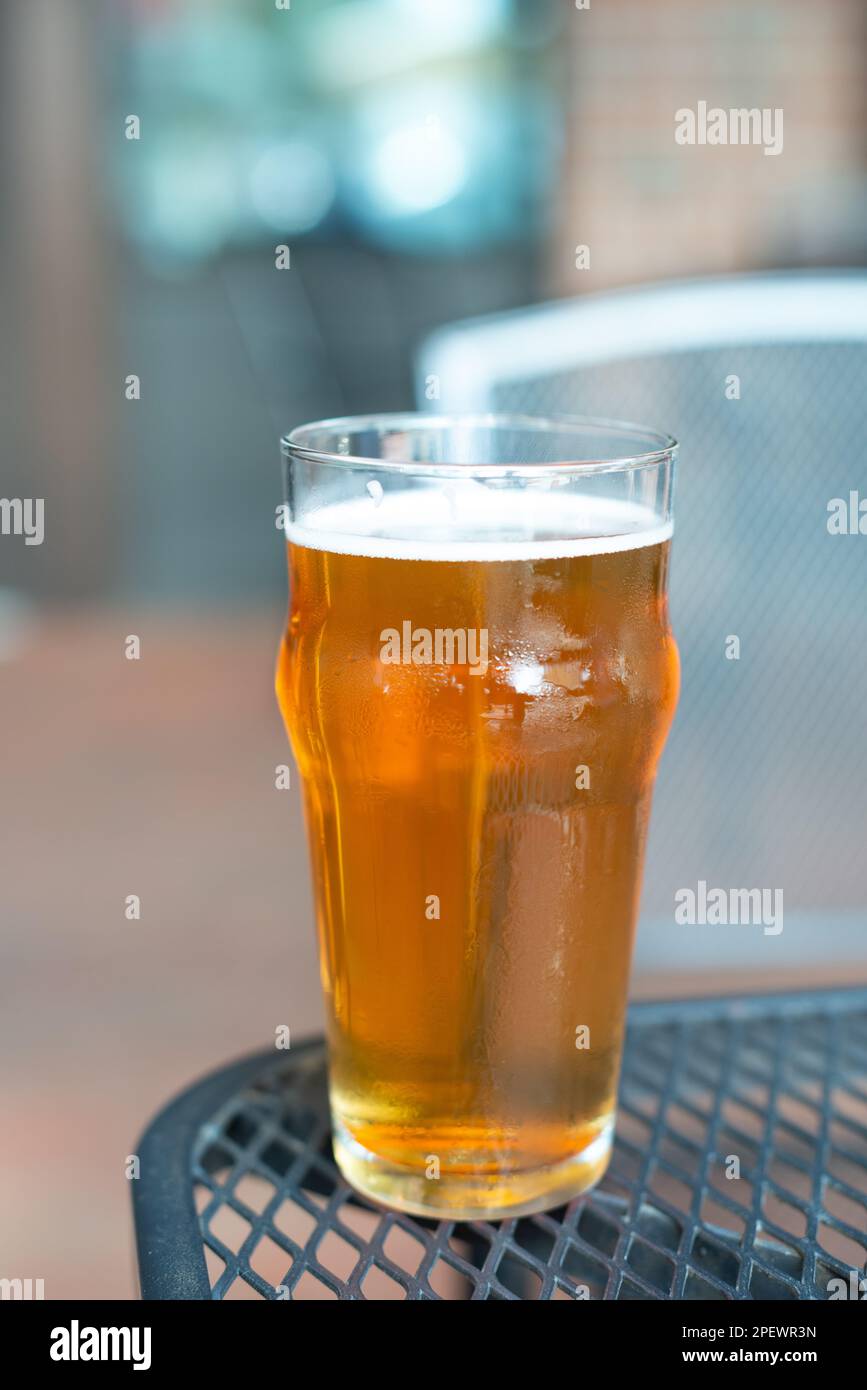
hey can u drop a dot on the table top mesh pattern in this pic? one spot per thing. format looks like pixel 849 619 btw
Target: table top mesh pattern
pixel 739 1172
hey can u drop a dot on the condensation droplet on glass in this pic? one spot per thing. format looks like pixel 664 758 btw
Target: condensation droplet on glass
pixel 450 493
pixel 374 488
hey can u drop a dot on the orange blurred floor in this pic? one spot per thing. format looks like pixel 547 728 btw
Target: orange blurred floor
pixel 152 777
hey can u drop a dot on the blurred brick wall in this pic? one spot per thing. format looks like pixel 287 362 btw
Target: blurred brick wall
pixel 649 208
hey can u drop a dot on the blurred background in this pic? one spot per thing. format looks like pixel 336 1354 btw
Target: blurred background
pixel 419 161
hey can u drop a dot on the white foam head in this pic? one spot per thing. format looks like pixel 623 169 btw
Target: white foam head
pixel 472 522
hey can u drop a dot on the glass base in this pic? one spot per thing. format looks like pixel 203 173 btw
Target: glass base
pixel 470 1196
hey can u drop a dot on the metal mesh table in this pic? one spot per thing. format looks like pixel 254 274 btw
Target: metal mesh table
pixel 739 1171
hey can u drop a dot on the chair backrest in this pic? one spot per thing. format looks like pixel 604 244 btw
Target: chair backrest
pixel 763 379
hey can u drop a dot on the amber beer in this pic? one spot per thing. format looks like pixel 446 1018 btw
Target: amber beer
pixel 477 707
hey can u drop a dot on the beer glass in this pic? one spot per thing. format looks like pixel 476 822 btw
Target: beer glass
pixel 477 677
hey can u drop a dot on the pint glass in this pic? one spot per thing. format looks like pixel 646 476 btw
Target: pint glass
pixel 477 677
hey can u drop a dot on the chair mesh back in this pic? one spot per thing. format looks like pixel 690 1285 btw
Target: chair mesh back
pixel 762 783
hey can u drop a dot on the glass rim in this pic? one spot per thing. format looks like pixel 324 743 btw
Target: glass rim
pixel 296 443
